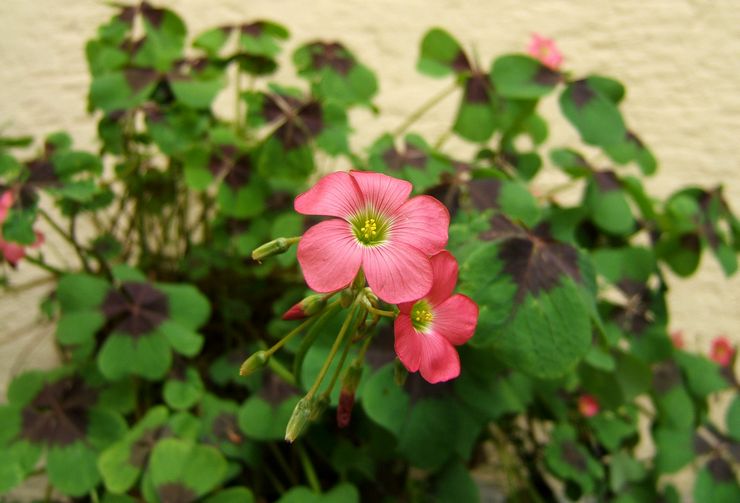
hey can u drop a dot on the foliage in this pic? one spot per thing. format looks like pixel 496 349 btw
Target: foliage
pixel 165 301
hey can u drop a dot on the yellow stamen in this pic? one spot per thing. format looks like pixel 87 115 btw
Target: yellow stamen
pixel 423 316
pixel 370 228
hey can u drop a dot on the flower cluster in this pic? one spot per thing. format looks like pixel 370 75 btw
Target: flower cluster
pixel 398 244
pixel 545 50
pixel 13 252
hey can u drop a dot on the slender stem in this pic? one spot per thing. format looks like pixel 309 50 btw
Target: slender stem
pixel 273 479
pixel 297 330
pixel 38 262
pixel 281 371
pixel 78 248
pixel 283 463
pixel 380 312
pixel 333 352
pixel 94 496
pixel 338 370
pixel 424 108
pixel 313 479
pixel 30 285
pixel 47 492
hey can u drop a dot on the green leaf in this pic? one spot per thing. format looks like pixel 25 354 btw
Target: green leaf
pixel 72 469
pixel 571 162
pixel 681 252
pixel 262 421
pixel 262 38
pixel 213 40
pixel 611 89
pixel 79 327
pixel 188 306
pixel 197 93
pixel 704 376
pixel 182 340
pixel 232 495
pixel 455 485
pixel 611 430
pixel 569 460
pixel 148 356
pixel 104 427
pixel 198 468
pixel 18 227
pixel 615 264
pixel 674 449
pixel 519 76
pixel 181 394
pixel 441 54
pixel 733 418
pixel 164 42
pixel 595 117
pixel 121 90
pixel 384 401
pixel 624 469
pixel 476 119
pixel 427 439
pixel 608 205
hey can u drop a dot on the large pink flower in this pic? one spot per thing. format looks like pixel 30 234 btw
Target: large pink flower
pixel 545 50
pixel 428 330
pixel 378 228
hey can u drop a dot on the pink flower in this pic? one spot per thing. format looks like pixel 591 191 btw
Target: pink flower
pixel 677 339
pixel 722 351
pixel 13 252
pixel 377 228
pixel 427 330
pixel 588 406
pixel 545 50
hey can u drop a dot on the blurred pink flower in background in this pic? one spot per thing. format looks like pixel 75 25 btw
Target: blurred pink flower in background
pixel 677 339
pixel 545 50
pixel 13 252
pixel 588 406
pixel 722 351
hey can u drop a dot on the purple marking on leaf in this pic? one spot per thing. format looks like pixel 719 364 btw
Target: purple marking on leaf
pixel 412 156
pixel 665 376
pixel 581 93
pixel 42 174
pixel 478 89
pixel 448 194
pixel 299 129
pixel 176 492
pixel 572 455
pixel 152 14
pixel 279 106
pixel 536 263
pixel 139 78
pixel 127 14
pixel 720 470
pixel 58 415
pixel 734 446
pixel 136 309
pixel 253 30
pixel 460 63
pixel 707 229
pixel 331 55
pixel 142 447
pixel 690 241
pixel 607 181
pixel 484 193
pixel 238 168
pixel 701 446
pixel 132 47
pixel 633 138
pixel 547 76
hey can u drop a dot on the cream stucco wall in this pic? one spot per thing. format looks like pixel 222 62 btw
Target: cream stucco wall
pixel 680 60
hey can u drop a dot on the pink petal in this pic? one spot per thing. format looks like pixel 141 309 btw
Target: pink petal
pixel 397 272
pixel 422 222
pixel 439 359
pixel 444 272
pixel 12 252
pixel 329 256
pixel 384 193
pixel 335 195
pixel 455 319
pixel 6 202
pixel 408 343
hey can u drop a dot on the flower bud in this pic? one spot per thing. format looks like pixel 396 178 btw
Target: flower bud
pixel 319 407
pixel 305 308
pixel 344 409
pixel 300 418
pixel 274 247
pixel 588 406
pixel 255 362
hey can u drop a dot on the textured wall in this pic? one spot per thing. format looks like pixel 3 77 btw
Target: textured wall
pixel 678 59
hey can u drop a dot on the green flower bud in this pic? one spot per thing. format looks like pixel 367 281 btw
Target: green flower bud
pixel 274 247
pixel 320 406
pixel 254 363
pixel 298 422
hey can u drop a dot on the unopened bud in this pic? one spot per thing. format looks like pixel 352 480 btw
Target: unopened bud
pixel 305 308
pixel 344 409
pixel 299 419
pixel 274 247
pixel 255 362
pixel 399 373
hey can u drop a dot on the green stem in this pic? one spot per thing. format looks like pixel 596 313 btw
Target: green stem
pixel 283 463
pixel 70 236
pixel 281 371
pixel 297 330
pixel 313 479
pixel 380 312
pixel 424 108
pixel 78 248
pixel 333 352
pixel 43 265
pixel 338 370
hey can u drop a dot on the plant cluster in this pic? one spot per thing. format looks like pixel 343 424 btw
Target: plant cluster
pixel 192 346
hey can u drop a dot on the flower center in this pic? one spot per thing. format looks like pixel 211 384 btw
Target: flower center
pixel 421 315
pixel 370 228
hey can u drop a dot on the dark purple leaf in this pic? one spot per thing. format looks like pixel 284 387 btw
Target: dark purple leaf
pixel 152 14
pixel 331 55
pixel 411 156
pixel 607 181
pixel 58 415
pixel 139 78
pixel 136 309
pixel 547 76
pixel 461 63
pixel 701 446
pixel 254 30
pixel 573 456
pixel 665 376
pixel 720 470
pixel 142 448
pixel 478 89
pixel 238 167
pixel 582 94
pixel 176 492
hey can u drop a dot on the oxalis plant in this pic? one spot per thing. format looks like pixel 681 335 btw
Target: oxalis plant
pixel 440 318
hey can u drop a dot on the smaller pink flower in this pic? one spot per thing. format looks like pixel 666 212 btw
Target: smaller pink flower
pixel 13 252
pixel 428 329
pixel 6 202
pixel 545 50
pixel 677 339
pixel 588 406
pixel 722 351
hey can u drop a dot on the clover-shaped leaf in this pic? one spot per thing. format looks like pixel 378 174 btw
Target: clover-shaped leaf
pixel 183 389
pixel 182 471
pixel 57 412
pixel 569 460
pixel 595 117
pixel 384 401
pixel 608 204
pixel 335 74
pixel 262 420
pixel 342 493
pixel 441 54
pixel 716 482
pixel 519 76
pixel 476 118
pixel 534 295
